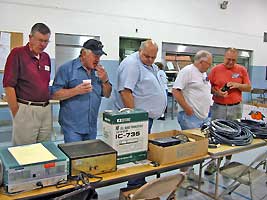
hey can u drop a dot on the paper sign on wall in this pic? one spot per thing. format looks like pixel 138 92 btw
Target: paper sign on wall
pixel 4 48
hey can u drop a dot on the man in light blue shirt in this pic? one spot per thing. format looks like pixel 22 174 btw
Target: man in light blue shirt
pixel 138 87
pixel 138 84
pixel 79 85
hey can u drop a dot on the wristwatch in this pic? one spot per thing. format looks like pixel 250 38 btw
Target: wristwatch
pixel 107 81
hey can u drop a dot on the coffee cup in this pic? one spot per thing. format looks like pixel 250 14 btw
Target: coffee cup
pixel 88 81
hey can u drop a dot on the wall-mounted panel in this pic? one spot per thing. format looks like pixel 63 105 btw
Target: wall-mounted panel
pixel 68 46
pixel 8 41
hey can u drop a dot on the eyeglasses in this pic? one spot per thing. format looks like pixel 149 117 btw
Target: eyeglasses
pixel 41 40
pixel 207 62
pixel 148 57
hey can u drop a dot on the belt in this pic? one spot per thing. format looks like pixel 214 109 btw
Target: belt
pixel 230 104
pixel 33 103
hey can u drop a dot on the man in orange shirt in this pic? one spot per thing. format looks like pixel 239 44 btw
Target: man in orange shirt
pixel 228 81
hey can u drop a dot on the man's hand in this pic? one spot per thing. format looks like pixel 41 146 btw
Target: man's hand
pixel 189 111
pixel 241 86
pixel 102 74
pixel 179 97
pixel 84 88
pixel 14 111
pixel 221 93
pixel 233 85
pixel 127 98
pixel 12 100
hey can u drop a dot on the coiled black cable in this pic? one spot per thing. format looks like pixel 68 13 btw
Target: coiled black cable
pixel 228 132
pixel 258 129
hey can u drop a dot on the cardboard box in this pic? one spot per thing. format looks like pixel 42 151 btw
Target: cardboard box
pixel 195 131
pixel 255 112
pixel 198 146
pixel 127 133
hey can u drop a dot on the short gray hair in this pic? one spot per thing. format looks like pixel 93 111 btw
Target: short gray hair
pixel 202 55
pixel 145 43
pixel 232 50
pixel 87 51
pixel 41 28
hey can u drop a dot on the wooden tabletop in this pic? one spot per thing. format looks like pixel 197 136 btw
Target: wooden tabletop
pixel 225 150
pixel 118 176
pixel 125 174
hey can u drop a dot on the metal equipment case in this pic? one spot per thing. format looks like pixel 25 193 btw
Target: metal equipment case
pixel 18 178
pixel 91 156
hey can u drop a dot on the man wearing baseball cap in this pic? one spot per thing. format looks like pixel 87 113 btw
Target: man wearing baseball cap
pixel 79 85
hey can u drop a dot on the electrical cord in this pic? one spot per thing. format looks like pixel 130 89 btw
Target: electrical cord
pixel 229 128
pixel 62 183
pixel 84 178
pixel 258 129
pixel 59 184
pixel 81 179
pixel 227 132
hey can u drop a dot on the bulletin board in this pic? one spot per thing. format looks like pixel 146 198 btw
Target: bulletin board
pixel 8 41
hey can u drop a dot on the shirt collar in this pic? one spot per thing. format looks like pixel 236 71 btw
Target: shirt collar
pixel 80 66
pixel 152 68
pixel 235 65
pixel 28 50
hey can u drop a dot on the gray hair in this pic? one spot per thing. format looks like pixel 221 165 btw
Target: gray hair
pixel 202 55
pixel 87 51
pixel 145 43
pixel 41 28
pixel 232 50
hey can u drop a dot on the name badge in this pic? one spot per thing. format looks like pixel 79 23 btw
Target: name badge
pixel 47 68
pixel 235 75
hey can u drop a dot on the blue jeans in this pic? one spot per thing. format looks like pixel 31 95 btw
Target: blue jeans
pixel 189 122
pixel 76 137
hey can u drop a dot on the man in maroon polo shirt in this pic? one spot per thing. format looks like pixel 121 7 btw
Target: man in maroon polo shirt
pixel 26 82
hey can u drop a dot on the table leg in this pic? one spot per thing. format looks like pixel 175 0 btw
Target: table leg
pixel 54 134
pixel 172 106
pixel 212 196
pixel 217 177
pixel 199 184
pixel 200 175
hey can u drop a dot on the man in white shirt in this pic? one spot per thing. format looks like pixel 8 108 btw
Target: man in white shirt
pixel 192 91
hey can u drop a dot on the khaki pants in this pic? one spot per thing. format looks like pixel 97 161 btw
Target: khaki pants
pixel 31 124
